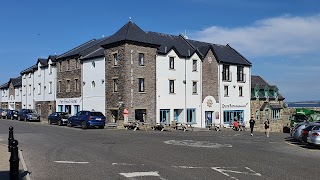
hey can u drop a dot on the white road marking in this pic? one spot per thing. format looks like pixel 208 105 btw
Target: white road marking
pixel 191 143
pixel 141 174
pixel 224 170
pixel 126 164
pixel 71 162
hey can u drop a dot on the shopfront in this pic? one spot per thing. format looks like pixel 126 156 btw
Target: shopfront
pixel 69 105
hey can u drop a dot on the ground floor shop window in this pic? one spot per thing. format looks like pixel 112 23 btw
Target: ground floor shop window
pixel 60 108
pixel 165 115
pixel 67 108
pixel 76 108
pixel 191 115
pixel 228 116
pixel 140 115
pixel 177 114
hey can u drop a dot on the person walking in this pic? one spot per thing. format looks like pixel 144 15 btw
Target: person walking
pixel 252 122
pixel 267 127
pixel 125 115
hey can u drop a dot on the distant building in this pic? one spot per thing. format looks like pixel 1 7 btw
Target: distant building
pixel 11 94
pixel 266 101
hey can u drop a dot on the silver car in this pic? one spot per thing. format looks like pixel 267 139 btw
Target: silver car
pixel 314 137
pixel 297 131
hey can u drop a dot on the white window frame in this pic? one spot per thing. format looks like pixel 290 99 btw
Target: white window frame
pixel 115 85
pixel 194 65
pixel 171 62
pixel 240 91
pixel 68 86
pixel 50 87
pixel 226 91
pixel 39 88
pixel 194 87
pixel 171 86
pixel 141 59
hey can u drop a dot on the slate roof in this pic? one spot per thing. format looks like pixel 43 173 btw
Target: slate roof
pixel 4 86
pixel 17 82
pixel 130 32
pixel 97 53
pixel 271 105
pixel 261 83
pixel 43 61
pixel 30 69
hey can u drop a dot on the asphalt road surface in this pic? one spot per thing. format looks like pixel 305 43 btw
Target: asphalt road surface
pixel 53 152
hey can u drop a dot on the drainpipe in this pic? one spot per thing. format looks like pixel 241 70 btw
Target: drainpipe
pixel 219 94
pixel 185 90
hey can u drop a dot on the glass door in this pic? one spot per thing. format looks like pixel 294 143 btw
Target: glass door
pixel 208 115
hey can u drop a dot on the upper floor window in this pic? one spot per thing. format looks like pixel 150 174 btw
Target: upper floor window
pixel 50 69
pixel 29 89
pixel 60 66
pixel 141 59
pixel 240 91
pixel 59 86
pixel 39 88
pixel 266 94
pixel 226 74
pixel 141 84
pixel 194 65
pixel 76 83
pixel 93 65
pixel 68 89
pixel 68 65
pixel 240 74
pixel 115 59
pixel 25 90
pixel 50 87
pixel 194 87
pixel 24 76
pixel 29 75
pixel 226 91
pixel 171 86
pixel 93 85
pixel 171 63
pixel 17 91
pixel 115 85
pixel 275 93
pixel 39 70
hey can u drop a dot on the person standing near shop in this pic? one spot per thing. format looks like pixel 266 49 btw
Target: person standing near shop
pixel 125 114
pixel 267 127
pixel 252 122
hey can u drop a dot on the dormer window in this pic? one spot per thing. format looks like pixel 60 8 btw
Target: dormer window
pixel 171 62
pixel 39 70
pixel 275 93
pixel 266 94
pixel 50 69
pixel 29 75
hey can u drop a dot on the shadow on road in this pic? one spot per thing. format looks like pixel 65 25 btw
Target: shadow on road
pixel 4 175
pixel 301 144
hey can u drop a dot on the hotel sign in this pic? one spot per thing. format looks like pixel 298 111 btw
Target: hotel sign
pixel 228 106
pixel 68 101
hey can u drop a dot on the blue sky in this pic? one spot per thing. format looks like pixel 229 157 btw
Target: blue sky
pixel 280 38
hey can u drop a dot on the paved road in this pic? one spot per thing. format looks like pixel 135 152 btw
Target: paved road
pixel 53 152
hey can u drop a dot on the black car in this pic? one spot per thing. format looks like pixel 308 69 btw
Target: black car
pixel 12 114
pixel 59 118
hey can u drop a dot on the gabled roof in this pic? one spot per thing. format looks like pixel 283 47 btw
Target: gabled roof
pixel 97 53
pixel 4 86
pixel 16 82
pixel 258 81
pixel 42 61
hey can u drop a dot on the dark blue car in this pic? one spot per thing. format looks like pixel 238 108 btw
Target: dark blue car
pixel 12 114
pixel 87 119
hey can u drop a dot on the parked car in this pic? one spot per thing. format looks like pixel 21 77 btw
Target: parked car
pixel 12 114
pixel 314 138
pixel 28 115
pixel 87 119
pixel 297 131
pixel 305 132
pixel 60 118
pixel 4 113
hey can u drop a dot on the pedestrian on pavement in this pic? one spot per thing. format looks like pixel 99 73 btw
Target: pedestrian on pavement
pixel 125 114
pixel 236 124
pixel 267 127
pixel 243 125
pixel 252 122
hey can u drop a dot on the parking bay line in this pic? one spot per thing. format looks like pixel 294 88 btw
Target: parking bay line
pixel 71 162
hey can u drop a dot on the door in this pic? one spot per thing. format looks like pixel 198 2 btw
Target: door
pixel 208 115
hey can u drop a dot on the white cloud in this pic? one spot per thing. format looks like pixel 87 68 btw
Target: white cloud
pixel 278 36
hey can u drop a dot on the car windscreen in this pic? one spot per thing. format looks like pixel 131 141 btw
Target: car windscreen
pixel 96 114
pixel 300 118
pixel 62 113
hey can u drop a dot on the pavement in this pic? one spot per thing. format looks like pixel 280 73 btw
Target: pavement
pixel 5 165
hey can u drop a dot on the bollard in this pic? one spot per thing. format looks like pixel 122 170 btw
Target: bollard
pixel 14 161
pixel 10 138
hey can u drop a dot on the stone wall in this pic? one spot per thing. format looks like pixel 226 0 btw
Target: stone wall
pixel 4 105
pixel 210 77
pixel 43 108
pixel 71 74
pixel 11 90
pixel 127 74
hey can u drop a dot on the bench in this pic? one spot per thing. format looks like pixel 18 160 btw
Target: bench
pixel 112 125
pixel 135 125
pixel 183 126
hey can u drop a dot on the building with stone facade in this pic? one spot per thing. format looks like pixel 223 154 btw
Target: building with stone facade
pixel 266 101
pixel 10 94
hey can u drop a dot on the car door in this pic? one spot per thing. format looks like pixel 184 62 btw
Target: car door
pixel 75 119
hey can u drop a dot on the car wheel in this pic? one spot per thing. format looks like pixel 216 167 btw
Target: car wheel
pixel 101 127
pixel 49 121
pixel 69 124
pixel 84 125
pixel 59 123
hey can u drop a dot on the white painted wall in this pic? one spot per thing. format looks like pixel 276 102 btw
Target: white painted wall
pixel 182 98
pixel 28 93
pixel 94 97
pixel 226 103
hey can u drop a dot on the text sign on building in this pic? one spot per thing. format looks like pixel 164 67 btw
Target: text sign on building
pixel 228 106
pixel 68 101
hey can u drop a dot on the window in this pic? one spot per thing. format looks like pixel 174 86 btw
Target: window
pixel 39 88
pixel 60 66
pixel 228 116
pixel 191 115
pixel 141 59
pixel 39 70
pixel 226 75
pixel 24 76
pixel 240 91
pixel 115 59
pixel 50 69
pixel 266 94
pixel 194 87
pixel 59 86
pixel 93 65
pixel 68 65
pixel 276 114
pixel 165 116
pixel 93 85
pixel 77 64
pixel 60 108
pixel 240 74
pixel 50 87
pixel 29 89
pixel 68 86
pixel 226 91
pixel 171 86
pixel 115 85
pixel 17 91
pixel 171 63
pixel 257 115
pixel 275 93
pixel 140 115
pixel 76 84
pixel 141 85
pixel 29 75
pixel 25 90
pixel 76 109
pixel 194 65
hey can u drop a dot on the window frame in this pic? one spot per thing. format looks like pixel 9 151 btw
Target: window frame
pixel 194 87
pixel 68 86
pixel 226 74
pixel 171 63
pixel 240 91
pixel 171 86
pixel 194 65
pixel 115 58
pixel 141 84
pixel 141 59
pixel 240 74
pixel 115 85
pixel 226 91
